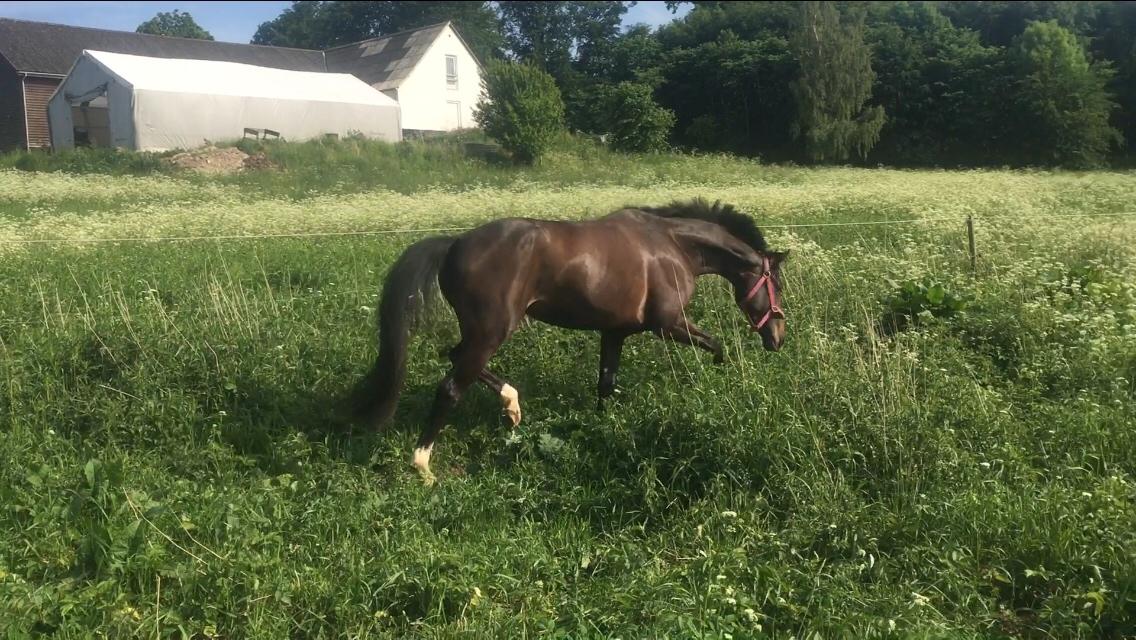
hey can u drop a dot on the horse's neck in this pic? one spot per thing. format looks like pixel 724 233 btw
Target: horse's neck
pixel 709 248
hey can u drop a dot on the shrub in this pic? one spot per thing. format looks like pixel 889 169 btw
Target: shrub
pixel 636 122
pixel 920 301
pixel 523 111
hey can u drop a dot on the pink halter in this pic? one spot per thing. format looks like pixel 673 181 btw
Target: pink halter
pixel 774 308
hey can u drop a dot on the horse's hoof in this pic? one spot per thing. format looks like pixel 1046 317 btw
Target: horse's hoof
pixel 510 399
pixel 422 464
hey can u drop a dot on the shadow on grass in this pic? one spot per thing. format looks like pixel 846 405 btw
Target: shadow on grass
pixel 614 465
pixel 262 419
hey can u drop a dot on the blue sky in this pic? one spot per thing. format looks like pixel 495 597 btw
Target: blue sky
pixel 227 21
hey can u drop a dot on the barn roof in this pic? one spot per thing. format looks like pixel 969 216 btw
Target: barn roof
pixel 51 49
pixel 386 61
pixel 212 77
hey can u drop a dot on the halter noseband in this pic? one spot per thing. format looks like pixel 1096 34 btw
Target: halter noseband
pixel 774 310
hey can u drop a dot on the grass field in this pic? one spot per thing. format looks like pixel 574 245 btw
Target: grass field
pixel 171 464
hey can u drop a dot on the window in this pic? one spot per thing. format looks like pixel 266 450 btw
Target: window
pixel 452 72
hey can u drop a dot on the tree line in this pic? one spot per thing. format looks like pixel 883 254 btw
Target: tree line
pixel 902 83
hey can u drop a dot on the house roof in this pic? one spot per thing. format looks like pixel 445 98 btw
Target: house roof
pixel 51 49
pixel 386 61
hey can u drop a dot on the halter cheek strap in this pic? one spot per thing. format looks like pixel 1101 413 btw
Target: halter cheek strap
pixel 774 310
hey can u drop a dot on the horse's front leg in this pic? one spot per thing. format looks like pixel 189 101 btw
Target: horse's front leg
pixel 688 333
pixel 611 347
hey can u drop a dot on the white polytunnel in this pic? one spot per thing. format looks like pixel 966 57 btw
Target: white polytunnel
pixel 157 104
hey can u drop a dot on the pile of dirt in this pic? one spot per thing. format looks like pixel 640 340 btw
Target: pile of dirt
pixel 211 160
pixel 258 162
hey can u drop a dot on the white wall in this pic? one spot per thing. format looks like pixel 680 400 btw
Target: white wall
pixel 164 120
pixel 425 97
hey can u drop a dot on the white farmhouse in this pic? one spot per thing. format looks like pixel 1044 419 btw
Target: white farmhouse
pixel 431 72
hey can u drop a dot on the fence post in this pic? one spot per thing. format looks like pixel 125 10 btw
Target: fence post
pixel 970 244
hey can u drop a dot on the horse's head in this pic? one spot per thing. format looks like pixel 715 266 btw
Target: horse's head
pixel 759 295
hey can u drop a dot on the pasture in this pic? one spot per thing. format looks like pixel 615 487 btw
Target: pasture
pixel 172 464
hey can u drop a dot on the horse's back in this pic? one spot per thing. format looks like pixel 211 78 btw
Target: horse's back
pixel 614 233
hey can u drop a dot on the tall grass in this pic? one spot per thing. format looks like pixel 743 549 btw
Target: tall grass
pixel 459 160
pixel 172 464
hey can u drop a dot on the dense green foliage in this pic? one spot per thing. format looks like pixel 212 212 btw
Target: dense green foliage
pixel 174 23
pixel 171 464
pixel 955 83
pixel 636 121
pixel 523 110
pixel 934 83
pixel 945 79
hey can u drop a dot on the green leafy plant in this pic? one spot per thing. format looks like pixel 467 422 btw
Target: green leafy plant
pixel 524 111
pixel 918 301
pixel 635 120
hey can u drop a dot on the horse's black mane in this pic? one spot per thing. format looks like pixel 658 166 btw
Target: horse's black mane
pixel 738 224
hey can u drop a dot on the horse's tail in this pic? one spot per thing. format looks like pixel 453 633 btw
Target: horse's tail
pixel 410 287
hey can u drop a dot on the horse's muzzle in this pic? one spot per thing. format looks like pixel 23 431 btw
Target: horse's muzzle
pixel 773 334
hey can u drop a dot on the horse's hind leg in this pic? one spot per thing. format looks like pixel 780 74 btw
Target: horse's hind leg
pixel 510 399
pixel 469 358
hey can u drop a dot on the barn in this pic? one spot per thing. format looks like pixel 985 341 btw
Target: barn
pixel 430 71
pixel 156 104
pixel 35 57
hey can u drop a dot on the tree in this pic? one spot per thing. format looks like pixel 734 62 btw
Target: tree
pixel 174 23
pixel 572 41
pixel 557 35
pixel 634 56
pixel 636 122
pixel 1062 98
pixel 707 21
pixel 596 26
pixel 1114 39
pixel 302 26
pixel 312 24
pixel 834 84
pixel 933 81
pixel 523 110
pixel 540 33
pixel 999 22
pixel 731 93
pixel 726 69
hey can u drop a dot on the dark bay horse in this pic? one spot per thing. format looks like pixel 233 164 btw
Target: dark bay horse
pixel 631 271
